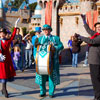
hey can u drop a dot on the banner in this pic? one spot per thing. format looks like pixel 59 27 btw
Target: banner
pixel 48 13
pixel 92 17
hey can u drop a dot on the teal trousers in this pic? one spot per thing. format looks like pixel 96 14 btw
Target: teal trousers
pixel 51 86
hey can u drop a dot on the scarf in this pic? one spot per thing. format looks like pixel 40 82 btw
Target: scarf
pixel 94 36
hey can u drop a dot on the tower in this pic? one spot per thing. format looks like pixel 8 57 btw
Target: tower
pixel 1 9
pixel 36 18
pixel 1 13
pixel 85 6
pixel 55 6
pixel 9 6
pixel 24 12
pixel 98 9
pixel 98 6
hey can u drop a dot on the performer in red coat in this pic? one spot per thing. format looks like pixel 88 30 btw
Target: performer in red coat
pixel 7 71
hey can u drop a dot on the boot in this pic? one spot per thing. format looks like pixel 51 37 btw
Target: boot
pixel 4 90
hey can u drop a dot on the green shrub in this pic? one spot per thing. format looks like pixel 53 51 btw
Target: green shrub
pixel 12 29
pixel 32 33
pixel 24 29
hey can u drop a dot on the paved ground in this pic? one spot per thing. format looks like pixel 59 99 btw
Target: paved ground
pixel 75 85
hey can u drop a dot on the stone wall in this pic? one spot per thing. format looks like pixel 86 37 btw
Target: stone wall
pixel 10 22
pixel 66 57
pixel 69 27
pixel 11 17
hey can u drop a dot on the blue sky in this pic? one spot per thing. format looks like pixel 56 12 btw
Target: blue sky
pixel 30 1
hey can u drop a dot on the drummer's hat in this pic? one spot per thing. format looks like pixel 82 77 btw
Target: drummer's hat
pixel 38 29
pixel 46 27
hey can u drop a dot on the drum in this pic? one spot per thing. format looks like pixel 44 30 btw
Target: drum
pixel 44 60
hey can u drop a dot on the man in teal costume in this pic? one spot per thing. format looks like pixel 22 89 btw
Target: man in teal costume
pixel 54 78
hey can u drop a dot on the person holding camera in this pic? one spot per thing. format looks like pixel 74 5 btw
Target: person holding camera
pixel 94 54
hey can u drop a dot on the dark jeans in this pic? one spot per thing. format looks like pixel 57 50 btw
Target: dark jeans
pixel 28 58
pixel 95 77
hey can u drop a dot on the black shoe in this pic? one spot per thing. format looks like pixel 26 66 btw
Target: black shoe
pixel 43 95
pixel 2 91
pixel 5 93
pixel 95 99
pixel 51 96
pixel 22 70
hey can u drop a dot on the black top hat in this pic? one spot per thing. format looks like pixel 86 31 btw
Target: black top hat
pixel 96 24
pixel 3 30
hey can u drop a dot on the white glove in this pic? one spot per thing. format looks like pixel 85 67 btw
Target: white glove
pixel 17 22
pixel 2 57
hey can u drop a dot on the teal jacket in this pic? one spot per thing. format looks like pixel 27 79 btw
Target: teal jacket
pixel 33 42
pixel 58 47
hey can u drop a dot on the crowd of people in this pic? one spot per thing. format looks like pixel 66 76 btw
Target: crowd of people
pixel 16 53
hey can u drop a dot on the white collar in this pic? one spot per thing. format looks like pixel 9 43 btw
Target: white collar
pixel 47 36
pixel 38 36
pixel 3 41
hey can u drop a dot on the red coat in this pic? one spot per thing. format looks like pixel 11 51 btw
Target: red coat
pixel 6 68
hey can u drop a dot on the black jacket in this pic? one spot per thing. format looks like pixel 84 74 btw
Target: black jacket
pixel 76 46
pixel 94 49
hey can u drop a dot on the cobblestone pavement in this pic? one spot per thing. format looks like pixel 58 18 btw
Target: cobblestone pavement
pixel 75 85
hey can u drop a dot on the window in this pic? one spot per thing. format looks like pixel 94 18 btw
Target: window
pixel 41 4
pixel 25 11
pixel 65 8
pixel 99 11
pixel 55 4
pixel 71 7
pixel 24 21
pixel 45 4
pixel 35 24
pixel 76 7
pixel 60 8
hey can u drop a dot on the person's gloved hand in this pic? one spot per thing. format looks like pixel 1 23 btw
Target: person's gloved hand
pixel 17 22
pixel 78 36
pixel 84 18
pixel 2 57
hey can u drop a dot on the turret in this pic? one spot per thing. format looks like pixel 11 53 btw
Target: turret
pixel 36 18
pixel 98 7
pixel 85 6
pixel 9 6
pixel 1 9
pixel 24 12
pixel 55 5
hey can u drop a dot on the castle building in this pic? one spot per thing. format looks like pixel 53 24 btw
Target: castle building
pixel 66 18
pixel 9 15
pixel 36 18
